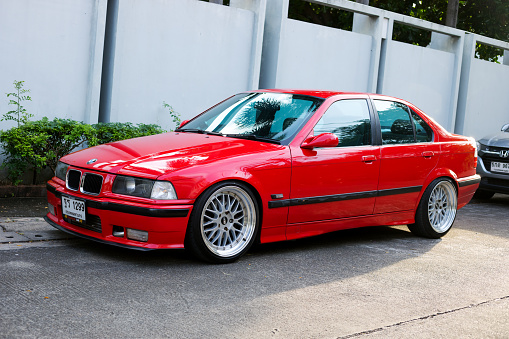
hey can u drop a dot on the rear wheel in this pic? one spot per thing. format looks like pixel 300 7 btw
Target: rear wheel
pixel 437 210
pixel 224 223
pixel 483 195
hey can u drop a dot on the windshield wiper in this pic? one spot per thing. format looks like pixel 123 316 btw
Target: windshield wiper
pixel 195 130
pixel 253 137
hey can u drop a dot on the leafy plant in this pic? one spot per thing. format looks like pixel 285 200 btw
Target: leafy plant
pixel 20 114
pixel 39 144
pixel 173 114
pixel 115 131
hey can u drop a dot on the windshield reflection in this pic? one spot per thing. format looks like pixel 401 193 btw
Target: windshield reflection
pixel 275 116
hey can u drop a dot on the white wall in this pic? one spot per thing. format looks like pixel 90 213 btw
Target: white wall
pixel 319 57
pixel 192 54
pixel 487 100
pixel 423 76
pixel 56 48
pixel 483 105
pixel 189 53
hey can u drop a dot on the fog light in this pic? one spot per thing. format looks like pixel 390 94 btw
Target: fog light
pixel 51 209
pixel 137 235
pixel 118 231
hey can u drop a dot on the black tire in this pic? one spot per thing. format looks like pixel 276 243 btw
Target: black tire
pixel 483 195
pixel 224 223
pixel 437 210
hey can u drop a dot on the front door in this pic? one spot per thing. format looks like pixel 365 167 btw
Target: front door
pixel 336 182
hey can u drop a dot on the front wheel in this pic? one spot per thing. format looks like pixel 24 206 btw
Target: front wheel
pixel 437 210
pixel 224 223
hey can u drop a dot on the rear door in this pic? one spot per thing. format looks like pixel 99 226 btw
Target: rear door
pixel 408 155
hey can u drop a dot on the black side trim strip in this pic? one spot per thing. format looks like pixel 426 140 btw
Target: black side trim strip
pixel 475 179
pixel 57 226
pixel 146 212
pixel 341 197
pixel 401 190
pixel 321 199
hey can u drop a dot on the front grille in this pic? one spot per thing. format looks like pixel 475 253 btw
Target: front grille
pixel 92 183
pixel 73 179
pixel 497 182
pixel 93 223
pixel 487 162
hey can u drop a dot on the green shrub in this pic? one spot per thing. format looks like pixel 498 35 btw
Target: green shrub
pixel 39 144
pixel 115 131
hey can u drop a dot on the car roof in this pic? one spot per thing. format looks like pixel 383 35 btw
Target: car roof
pixel 314 93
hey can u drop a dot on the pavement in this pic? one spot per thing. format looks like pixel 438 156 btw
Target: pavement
pixel 21 221
pixel 374 282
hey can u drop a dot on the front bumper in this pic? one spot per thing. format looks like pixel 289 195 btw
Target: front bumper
pixel 166 225
pixel 494 182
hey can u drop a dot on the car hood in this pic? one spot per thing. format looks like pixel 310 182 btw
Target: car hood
pixel 153 156
pixel 501 139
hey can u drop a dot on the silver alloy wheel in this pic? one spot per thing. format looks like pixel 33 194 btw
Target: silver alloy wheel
pixel 442 205
pixel 228 221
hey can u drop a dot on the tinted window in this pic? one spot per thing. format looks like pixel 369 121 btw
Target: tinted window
pixel 349 120
pixel 395 122
pixel 423 133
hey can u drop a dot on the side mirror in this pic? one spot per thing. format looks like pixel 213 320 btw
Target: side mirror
pixel 183 123
pixel 321 140
pixel 505 128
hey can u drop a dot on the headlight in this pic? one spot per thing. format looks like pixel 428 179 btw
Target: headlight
pixel 163 190
pixel 481 147
pixel 144 188
pixel 61 170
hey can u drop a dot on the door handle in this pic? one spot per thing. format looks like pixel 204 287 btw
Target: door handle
pixel 368 158
pixel 427 154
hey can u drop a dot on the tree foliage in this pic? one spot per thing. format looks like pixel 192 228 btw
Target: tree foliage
pixel 485 17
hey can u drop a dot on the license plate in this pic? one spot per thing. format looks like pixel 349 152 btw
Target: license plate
pixel 73 208
pixel 501 167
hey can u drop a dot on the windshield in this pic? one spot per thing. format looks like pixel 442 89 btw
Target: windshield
pixel 270 116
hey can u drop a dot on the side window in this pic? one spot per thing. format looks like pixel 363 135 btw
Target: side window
pixel 423 133
pixel 349 120
pixel 395 122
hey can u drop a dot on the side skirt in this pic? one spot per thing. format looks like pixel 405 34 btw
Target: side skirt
pixel 307 229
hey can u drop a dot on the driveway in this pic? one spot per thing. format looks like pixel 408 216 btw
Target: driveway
pixel 363 283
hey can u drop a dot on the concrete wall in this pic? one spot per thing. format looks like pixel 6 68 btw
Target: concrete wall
pixel 428 85
pixel 192 54
pixel 483 106
pixel 56 48
pixel 188 53
pixel 302 55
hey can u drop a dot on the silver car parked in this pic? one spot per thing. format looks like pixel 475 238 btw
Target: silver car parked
pixel 493 164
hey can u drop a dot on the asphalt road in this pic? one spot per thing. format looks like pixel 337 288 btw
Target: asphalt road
pixel 364 283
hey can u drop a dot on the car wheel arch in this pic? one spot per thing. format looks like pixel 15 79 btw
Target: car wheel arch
pixel 252 189
pixel 436 174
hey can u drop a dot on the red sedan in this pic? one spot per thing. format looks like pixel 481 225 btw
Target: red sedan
pixel 267 166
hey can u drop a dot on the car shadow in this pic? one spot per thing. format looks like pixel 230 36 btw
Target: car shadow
pixel 269 268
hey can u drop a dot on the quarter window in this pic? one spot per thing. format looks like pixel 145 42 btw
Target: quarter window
pixel 397 127
pixel 349 120
pixel 423 133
